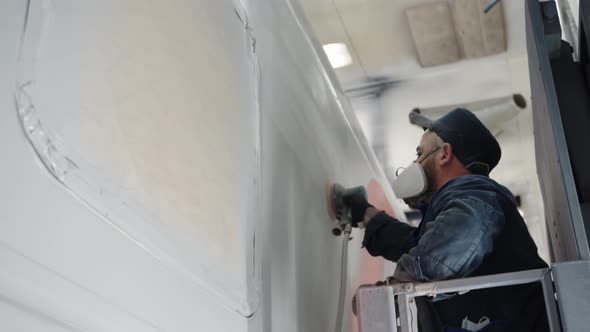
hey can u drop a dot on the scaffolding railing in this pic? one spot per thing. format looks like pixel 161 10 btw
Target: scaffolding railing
pixel 376 305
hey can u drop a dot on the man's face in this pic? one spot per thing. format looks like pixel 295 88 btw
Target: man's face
pixel 425 155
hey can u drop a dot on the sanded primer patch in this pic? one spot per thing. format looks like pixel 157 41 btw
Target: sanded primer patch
pixel 118 117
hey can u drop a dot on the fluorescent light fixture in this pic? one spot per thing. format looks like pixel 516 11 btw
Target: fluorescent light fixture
pixel 338 55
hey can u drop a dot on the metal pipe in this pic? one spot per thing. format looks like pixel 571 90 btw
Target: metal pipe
pixel 491 281
pixel 403 301
pixel 550 304
pixel 490 6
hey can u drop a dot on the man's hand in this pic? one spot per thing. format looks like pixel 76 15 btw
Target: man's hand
pixel 358 206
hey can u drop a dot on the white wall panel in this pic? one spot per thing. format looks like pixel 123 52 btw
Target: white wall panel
pixel 309 137
pixel 171 171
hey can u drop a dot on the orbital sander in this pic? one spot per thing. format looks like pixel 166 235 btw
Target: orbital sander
pixel 337 210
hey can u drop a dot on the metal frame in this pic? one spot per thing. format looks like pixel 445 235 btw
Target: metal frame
pixel 568 238
pixel 572 288
pixel 405 293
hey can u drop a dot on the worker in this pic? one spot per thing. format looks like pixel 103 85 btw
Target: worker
pixel 470 227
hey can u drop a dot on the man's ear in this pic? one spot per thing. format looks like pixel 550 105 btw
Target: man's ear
pixel 447 153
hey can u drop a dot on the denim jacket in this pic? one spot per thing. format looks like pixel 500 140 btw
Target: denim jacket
pixel 456 233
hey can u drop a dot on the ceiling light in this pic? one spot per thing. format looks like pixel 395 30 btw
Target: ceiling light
pixel 338 55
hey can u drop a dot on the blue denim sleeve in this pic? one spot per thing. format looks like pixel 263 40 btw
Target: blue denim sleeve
pixel 387 237
pixel 456 242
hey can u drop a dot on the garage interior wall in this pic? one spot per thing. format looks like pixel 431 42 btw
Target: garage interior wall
pixel 165 166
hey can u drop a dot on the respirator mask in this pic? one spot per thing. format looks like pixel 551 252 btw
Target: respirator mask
pixel 412 184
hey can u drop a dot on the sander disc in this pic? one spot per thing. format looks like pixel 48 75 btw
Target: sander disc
pixel 335 204
pixel 330 200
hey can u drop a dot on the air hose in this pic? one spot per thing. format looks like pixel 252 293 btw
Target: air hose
pixel 343 273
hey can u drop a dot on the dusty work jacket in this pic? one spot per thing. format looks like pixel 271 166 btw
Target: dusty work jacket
pixel 471 228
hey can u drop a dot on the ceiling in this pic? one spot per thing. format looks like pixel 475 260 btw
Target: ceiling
pixel 379 38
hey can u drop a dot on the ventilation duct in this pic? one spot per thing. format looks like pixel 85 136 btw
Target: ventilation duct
pixel 493 113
